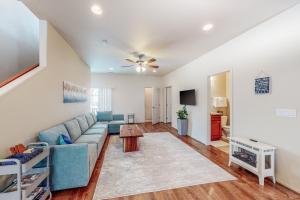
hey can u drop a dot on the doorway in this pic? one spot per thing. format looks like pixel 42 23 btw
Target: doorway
pixel 220 105
pixel 168 106
pixel 152 106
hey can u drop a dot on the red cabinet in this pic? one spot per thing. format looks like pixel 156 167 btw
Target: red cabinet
pixel 216 128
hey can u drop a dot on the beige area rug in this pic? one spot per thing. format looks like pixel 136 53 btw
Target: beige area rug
pixel 163 162
pixel 220 144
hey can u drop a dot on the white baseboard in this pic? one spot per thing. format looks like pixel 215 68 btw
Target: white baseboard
pixel 287 185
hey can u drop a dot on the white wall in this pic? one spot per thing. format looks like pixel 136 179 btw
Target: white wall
pixel 128 91
pixel 19 36
pixel 37 103
pixel 274 47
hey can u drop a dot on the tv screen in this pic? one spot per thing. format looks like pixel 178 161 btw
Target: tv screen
pixel 187 97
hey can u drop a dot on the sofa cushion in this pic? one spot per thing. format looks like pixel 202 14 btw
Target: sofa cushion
pixel 92 139
pixel 100 125
pixel 82 123
pixel 104 116
pixel 120 122
pixel 89 119
pixel 73 129
pixel 96 131
pixel 94 117
pixel 51 135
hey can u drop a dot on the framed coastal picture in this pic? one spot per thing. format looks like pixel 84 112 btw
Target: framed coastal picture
pixel 263 85
pixel 73 93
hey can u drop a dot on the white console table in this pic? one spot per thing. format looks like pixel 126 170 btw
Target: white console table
pixel 256 157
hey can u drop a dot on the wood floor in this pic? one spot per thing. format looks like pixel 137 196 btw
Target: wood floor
pixel 245 188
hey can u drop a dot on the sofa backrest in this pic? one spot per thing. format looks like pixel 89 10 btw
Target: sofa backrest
pixel 90 120
pixel 51 135
pixel 118 117
pixel 104 116
pixel 94 117
pixel 83 123
pixel 73 129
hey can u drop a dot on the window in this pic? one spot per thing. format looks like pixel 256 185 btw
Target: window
pixel 101 99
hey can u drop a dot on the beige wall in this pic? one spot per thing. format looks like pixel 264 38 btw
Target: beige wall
pixel 38 103
pixel 218 85
pixel 273 47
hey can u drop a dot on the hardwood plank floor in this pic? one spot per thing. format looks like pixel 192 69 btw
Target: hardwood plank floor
pixel 245 188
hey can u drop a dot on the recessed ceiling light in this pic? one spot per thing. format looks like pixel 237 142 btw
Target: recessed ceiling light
pixel 104 42
pixel 96 9
pixel 207 27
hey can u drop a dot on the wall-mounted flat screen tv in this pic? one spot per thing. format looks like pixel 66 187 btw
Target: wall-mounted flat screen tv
pixel 188 97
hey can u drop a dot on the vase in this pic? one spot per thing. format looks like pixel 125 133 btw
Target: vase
pixel 182 126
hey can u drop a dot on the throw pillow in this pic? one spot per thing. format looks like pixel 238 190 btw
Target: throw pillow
pixel 67 139
pixel 62 139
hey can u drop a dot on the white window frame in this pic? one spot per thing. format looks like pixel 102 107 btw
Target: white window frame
pixel 101 99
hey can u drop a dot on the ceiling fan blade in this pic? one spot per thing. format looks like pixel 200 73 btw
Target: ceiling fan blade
pixel 129 60
pixel 126 66
pixel 154 66
pixel 151 60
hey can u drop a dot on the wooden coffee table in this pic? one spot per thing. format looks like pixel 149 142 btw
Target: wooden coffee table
pixel 130 135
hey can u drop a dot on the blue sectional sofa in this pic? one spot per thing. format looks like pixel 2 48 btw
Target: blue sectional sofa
pixel 72 165
pixel 113 121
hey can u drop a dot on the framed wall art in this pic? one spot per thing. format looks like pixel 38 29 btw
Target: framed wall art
pixel 73 93
pixel 263 84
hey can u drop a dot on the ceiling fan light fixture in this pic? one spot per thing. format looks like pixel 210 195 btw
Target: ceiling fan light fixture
pixel 143 69
pixel 96 9
pixel 207 27
pixel 154 70
pixel 138 69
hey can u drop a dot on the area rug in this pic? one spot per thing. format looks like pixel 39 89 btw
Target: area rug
pixel 223 146
pixel 163 162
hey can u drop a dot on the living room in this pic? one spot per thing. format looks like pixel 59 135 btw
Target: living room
pixel 82 100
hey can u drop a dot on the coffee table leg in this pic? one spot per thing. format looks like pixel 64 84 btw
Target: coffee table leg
pixel 131 144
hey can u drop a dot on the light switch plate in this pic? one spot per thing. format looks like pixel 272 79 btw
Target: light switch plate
pixel 289 113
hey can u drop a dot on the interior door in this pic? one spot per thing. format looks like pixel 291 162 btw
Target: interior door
pixel 155 106
pixel 168 105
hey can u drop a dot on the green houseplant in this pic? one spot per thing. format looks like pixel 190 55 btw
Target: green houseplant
pixel 182 113
pixel 182 121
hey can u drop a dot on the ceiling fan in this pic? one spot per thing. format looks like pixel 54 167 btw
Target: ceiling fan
pixel 141 63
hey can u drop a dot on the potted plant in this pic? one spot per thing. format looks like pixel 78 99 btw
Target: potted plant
pixel 182 121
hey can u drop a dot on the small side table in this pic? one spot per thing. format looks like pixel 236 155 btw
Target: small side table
pixel 130 118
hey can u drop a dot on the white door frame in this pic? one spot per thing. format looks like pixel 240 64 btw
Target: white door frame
pixel 166 104
pixel 209 105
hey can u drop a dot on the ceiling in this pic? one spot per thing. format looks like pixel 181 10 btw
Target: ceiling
pixel 169 30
